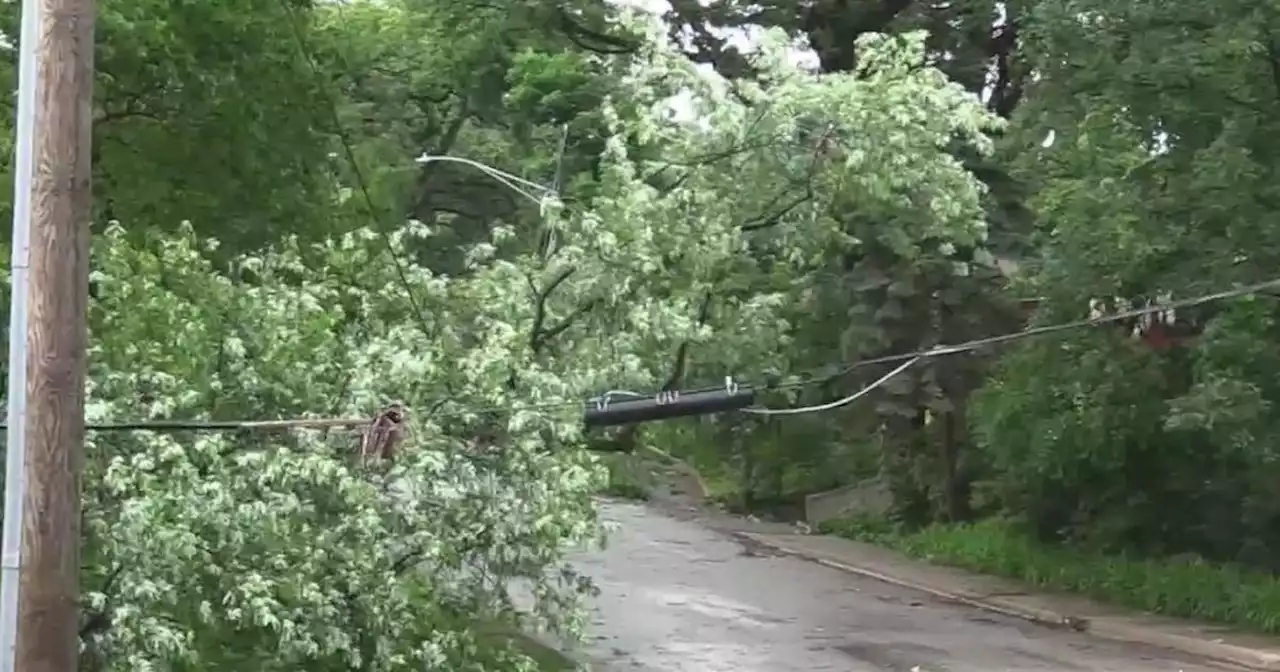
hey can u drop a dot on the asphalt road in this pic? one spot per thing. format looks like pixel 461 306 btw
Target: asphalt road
pixel 680 596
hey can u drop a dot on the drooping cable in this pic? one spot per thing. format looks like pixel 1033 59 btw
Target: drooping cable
pixel 362 184
pixel 838 402
pixel 911 358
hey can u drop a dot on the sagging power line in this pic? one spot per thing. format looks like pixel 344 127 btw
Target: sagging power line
pixel 618 407
pixel 667 404
pixel 362 184
pixel 838 402
pixel 1120 316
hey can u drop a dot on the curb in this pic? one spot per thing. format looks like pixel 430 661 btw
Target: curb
pixel 1220 652
pixel 564 657
pixel 1041 617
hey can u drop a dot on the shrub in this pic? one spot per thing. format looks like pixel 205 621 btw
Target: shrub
pixel 1175 587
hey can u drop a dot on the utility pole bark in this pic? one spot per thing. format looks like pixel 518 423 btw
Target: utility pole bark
pixel 48 600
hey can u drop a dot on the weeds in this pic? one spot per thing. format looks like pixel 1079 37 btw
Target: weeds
pixel 629 477
pixel 1220 593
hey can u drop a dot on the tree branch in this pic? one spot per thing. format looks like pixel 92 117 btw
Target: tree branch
pixel 589 39
pixel 1006 92
pixel 421 200
pixel 833 28
pixel 132 109
pixel 1273 57
pixel 405 561
pixel 775 218
pixel 100 621
pixel 539 335
pixel 682 351
pixel 691 24
pixel 569 320
pixel 820 149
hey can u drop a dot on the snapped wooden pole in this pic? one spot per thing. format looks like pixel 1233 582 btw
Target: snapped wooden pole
pixel 61 199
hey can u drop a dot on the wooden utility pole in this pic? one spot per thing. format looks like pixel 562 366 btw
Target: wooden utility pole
pixel 61 199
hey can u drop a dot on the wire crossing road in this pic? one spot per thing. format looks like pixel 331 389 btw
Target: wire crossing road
pixel 677 596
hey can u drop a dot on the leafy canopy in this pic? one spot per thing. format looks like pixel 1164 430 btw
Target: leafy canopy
pixel 277 552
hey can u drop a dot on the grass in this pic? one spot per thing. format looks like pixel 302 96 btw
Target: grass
pixel 630 477
pixel 721 488
pixel 1219 593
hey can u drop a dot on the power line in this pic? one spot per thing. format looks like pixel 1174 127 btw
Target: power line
pixel 821 376
pixel 361 183
pixel 512 182
pixel 838 402
pixel 226 425
pixel 166 426
pixel 911 358
pixel 969 346
pixel 193 425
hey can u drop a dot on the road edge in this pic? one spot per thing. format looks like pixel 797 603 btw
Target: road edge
pixel 681 464
pixel 1219 652
pixel 568 658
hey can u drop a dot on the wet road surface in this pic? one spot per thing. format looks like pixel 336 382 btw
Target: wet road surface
pixel 679 596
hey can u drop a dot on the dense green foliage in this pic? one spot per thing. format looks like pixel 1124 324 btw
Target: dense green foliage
pixel 269 245
pixel 368 276
pixel 1177 586
pixel 1137 164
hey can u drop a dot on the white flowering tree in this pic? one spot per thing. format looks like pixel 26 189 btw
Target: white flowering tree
pixel 276 551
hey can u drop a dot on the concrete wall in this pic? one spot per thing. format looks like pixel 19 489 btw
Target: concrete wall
pixel 870 496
